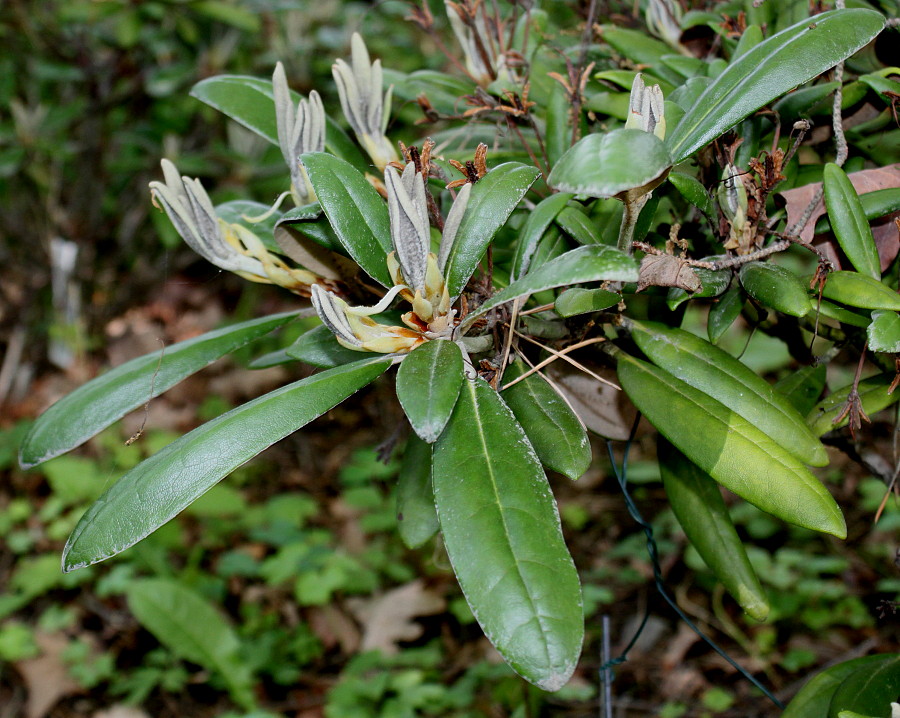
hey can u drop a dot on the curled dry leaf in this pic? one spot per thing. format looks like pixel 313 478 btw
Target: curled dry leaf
pixel 604 409
pixel 388 619
pixel 667 270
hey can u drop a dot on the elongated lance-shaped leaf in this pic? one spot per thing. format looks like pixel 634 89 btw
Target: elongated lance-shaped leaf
pixel 849 223
pixel 702 513
pixel 716 373
pixel 539 219
pixel 355 210
pixel 417 519
pixel 92 407
pixel 250 102
pixel 594 263
pixel 157 489
pixel 492 200
pixel 874 395
pixel 319 347
pixel 803 387
pixel 554 430
pixel 428 383
pixel 770 69
pixel 503 536
pixel 860 290
pixel 730 449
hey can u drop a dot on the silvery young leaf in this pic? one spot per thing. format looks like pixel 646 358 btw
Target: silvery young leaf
pixel 157 489
pixel 503 536
pixel 92 407
pixel 769 70
pixel 417 519
pixel 428 384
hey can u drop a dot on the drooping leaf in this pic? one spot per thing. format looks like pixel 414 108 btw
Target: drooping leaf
pixel 814 699
pixel 775 287
pixel 869 690
pixel 884 332
pixel 858 290
pixel 848 220
pixel 803 387
pixel 730 449
pixel 160 487
pixel 770 69
pixel 492 201
pixel 92 407
pixel 554 430
pixel 724 312
pixel 428 383
pixel 874 395
pixel 583 301
pixel 702 513
pixel 356 212
pixel 502 533
pixel 318 347
pixel 192 629
pixel 539 219
pixel 417 519
pixel 586 264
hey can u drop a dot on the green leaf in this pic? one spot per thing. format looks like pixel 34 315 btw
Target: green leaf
pixel 884 332
pixel 417 518
pixel 310 222
pixel 192 629
pixel 92 407
pixel 554 430
pixel 718 374
pixel 249 101
pixel 698 505
pixel 803 387
pixel 503 536
pixel 319 347
pixel 583 301
pixel 493 199
pixel 851 228
pixel 859 290
pixel 694 192
pixel 814 699
pixel 839 313
pixel 875 204
pixel 539 219
pixel 159 488
pixel 713 283
pixel 873 393
pixel 869 690
pixel 769 70
pixel 640 49
pixel 428 383
pixel 723 313
pixel 775 287
pixel 558 135
pixel 577 225
pixel 730 449
pixel 356 212
pixel 234 212
pixel 611 163
pixel 593 263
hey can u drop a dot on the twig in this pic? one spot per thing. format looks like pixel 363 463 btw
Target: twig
pixel 562 355
pixel 137 435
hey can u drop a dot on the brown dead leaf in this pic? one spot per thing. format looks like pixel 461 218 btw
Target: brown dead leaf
pixel 603 409
pixel 388 619
pixel 46 677
pixel 666 270
pixel 334 628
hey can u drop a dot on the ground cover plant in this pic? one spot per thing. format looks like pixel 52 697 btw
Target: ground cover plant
pixel 494 259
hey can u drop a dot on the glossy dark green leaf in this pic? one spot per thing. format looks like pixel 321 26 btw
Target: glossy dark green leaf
pixel 869 690
pixel 428 383
pixel 249 101
pixel 801 102
pixel 586 264
pixel 698 505
pixel 558 135
pixel 723 313
pixel 278 357
pixel 310 221
pixel 92 407
pixel 712 284
pixel 492 201
pixel 641 49
pixel 502 533
pixel 884 332
pixel 417 519
pixel 814 699
pixel 775 287
pixel 356 212
pixel 539 219
pixel 772 68
pixel 874 396
pixel 610 163
pixel 159 488
pixel 803 387
pixel 577 225
pixel 556 433
pixel 192 628
pixel 849 223
pixel 694 192
pixel 861 291
pixel 875 204
pixel 318 347
pixel 730 449
pixel 583 301
pixel 718 374
pixel 238 211
pixel 839 313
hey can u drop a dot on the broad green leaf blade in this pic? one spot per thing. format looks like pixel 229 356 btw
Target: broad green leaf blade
pixel 694 192
pixel 249 101
pixel 159 488
pixel 724 313
pixel 192 629
pixel 839 313
pixel 849 223
pixel 417 518
pixel 884 332
pixel 861 291
pixel 583 301
pixel 875 204
pixel 702 513
pixel 502 533
pixel 874 393
pixel 539 219
pixel 91 408
pixel 814 698
pixel 718 374
pixel 769 70
pixel 428 383
pixel 585 264
pixel 554 430
pixel 356 212
pixel 493 199
pixel 775 287
pixel 318 347
pixel 730 449
pixel 608 164
pixel 869 690
pixel 578 226
pixel 803 387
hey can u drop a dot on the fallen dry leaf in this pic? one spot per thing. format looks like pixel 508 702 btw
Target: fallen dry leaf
pixel 603 409
pixel 46 677
pixel 388 619
pixel 667 270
